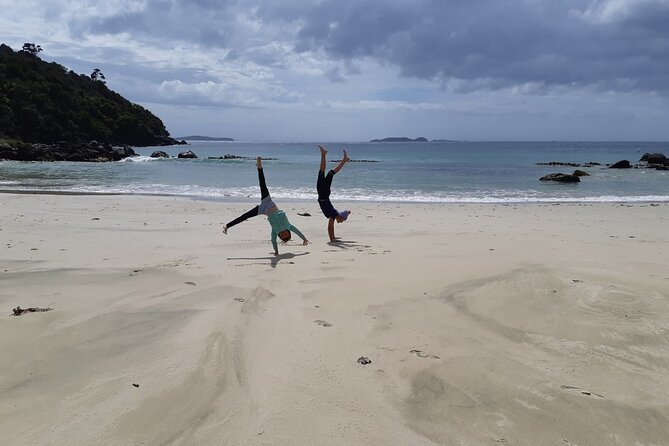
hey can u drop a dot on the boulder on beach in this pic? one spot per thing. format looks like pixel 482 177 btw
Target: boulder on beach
pixel 561 178
pixel 187 154
pixel 622 164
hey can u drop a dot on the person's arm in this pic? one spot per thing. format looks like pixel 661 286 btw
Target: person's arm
pixel 297 231
pixel 331 222
pixel 276 248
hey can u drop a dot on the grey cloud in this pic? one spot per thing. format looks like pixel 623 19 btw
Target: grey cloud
pixel 208 23
pixel 504 43
pixel 481 44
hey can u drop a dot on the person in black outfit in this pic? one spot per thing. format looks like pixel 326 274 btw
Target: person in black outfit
pixel 323 187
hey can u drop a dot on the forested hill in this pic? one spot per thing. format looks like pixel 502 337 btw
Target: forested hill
pixel 43 102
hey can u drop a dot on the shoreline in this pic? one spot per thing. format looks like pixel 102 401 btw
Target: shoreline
pixel 484 324
pixel 237 200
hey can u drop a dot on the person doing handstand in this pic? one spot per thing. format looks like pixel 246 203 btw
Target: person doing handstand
pixel 277 219
pixel 323 187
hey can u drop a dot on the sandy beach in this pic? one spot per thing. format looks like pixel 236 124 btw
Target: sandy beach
pixel 490 324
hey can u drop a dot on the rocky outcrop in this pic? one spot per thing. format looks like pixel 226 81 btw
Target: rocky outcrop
pixel 655 158
pixel 82 152
pixel 560 163
pixel 187 154
pixel 622 164
pixel 580 173
pixel 159 154
pixel 228 156
pixel 561 178
pixel 655 161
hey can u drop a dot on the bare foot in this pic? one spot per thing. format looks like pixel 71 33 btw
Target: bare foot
pixel 323 151
pixel 259 163
pixel 225 229
pixel 346 158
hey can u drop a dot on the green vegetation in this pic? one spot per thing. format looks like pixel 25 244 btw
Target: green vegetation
pixel 43 102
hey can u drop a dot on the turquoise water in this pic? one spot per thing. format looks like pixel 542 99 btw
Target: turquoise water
pixel 445 172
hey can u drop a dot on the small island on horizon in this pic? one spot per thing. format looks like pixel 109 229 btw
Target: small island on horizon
pixel 400 139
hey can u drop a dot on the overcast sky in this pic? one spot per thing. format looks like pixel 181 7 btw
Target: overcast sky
pixel 353 70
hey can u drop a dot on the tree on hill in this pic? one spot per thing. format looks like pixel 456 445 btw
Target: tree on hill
pixel 43 102
pixel 97 75
pixel 31 48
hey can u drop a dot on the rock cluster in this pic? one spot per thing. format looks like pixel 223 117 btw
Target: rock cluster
pixel 89 152
pixel 656 161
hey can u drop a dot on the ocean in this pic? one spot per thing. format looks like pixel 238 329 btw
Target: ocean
pixel 433 172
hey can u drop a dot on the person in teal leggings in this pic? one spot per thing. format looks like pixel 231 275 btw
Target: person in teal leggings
pixel 277 219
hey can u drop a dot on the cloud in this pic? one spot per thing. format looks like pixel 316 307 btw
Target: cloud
pixel 368 57
pixel 615 44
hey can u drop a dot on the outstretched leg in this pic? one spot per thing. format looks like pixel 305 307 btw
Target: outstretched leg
pixel 323 153
pixel 324 181
pixel 264 192
pixel 343 161
pixel 245 216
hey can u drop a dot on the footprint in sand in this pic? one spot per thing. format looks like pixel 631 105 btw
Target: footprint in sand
pixel 322 323
pixel 240 299
pixel 422 354
pixel 581 391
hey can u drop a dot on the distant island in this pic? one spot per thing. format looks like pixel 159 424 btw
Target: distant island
pixel 46 108
pixel 400 139
pixel 204 138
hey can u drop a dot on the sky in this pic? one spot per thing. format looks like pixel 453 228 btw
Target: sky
pixel 355 70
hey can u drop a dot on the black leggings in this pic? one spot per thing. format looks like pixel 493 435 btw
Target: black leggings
pixel 264 192
pixel 323 184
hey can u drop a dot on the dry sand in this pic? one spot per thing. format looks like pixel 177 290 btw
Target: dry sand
pixel 538 324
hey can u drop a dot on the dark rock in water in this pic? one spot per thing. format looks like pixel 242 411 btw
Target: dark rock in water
pixel 580 173
pixel 623 164
pixel 65 151
pixel 559 163
pixel 227 156
pixel 654 158
pixel 187 154
pixel 355 161
pixel 561 178
pixel 159 154
pixel 562 163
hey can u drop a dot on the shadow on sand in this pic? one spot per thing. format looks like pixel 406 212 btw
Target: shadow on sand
pixel 347 244
pixel 274 260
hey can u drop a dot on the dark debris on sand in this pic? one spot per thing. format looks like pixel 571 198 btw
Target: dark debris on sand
pixel 18 311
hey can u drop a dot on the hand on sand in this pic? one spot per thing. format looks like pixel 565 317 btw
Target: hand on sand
pixel 225 229
pixel 305 242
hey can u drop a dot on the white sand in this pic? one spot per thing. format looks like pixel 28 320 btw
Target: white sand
pixel 529 325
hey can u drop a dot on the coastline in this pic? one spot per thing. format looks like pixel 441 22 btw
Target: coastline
pixel 524 323
pixel 641 200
